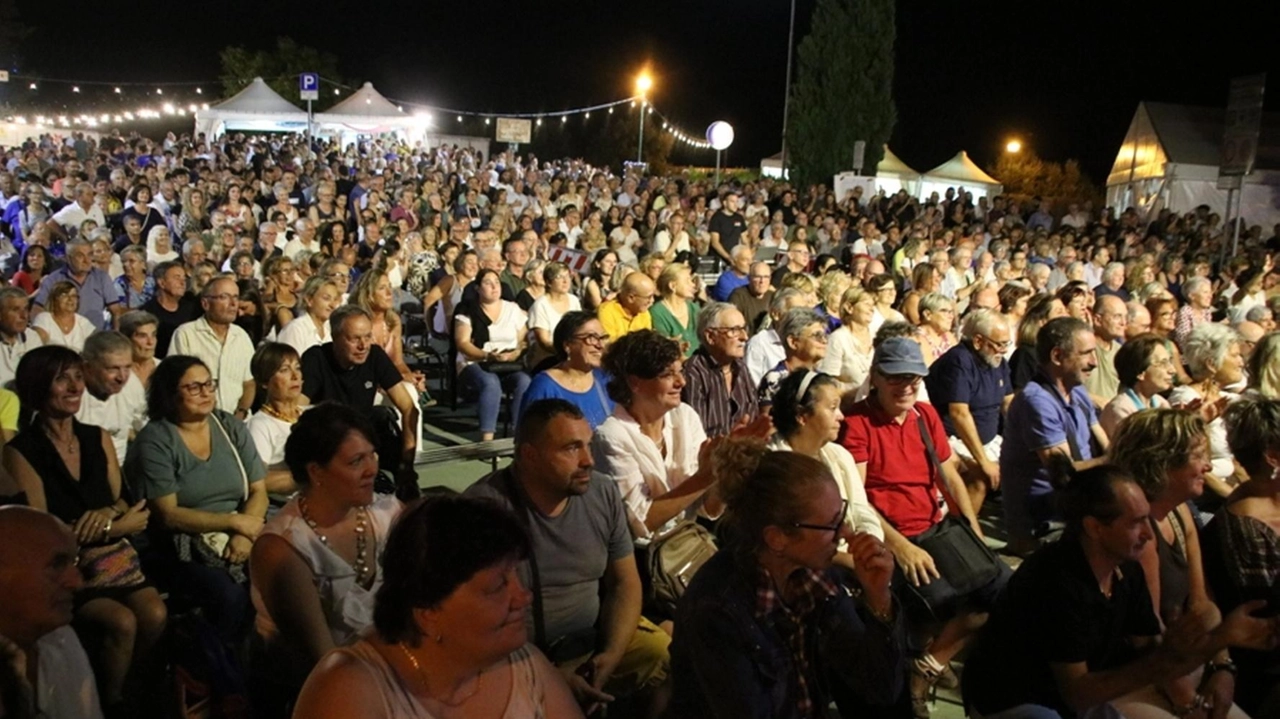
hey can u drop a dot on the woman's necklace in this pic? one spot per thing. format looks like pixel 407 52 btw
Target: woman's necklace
pixel 423 676
pixel 364 568
pixel 70 446
pixel 270 411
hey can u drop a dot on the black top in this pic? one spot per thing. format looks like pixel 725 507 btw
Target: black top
pixel 66 497
pixel 730 226
pixel 1023 366
pixel 1053 612
pixel 324 380
pixel 188 309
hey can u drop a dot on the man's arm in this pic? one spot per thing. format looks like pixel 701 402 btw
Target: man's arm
pixel 1064 450
pixel 619 615
pixel 718 248
pixel 403 402
pixel 246 399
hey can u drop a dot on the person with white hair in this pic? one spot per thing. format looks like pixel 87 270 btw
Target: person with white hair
pixel 304 239
pixel 1198 310
pixel 1138 321
pixel 971 386
pixel 1214 360
pixel 1113 282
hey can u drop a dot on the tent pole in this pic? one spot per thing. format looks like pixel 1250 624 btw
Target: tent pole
pixel 1235 240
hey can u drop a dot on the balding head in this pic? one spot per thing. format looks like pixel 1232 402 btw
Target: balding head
pixel 637 292
pixel 1110 318
pixel 38 574
pixel 1250 332
pixel 986 298
pixel 1139 320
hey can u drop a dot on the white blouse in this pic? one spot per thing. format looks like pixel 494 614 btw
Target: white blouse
pixel 845 470
pixel 639 467
pixel 74 339
pixel 504 334
pixel 847 361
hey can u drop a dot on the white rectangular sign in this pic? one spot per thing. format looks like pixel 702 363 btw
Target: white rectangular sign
pixel 514 130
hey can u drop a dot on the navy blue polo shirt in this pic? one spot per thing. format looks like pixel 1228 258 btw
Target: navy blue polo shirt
pixel 960 376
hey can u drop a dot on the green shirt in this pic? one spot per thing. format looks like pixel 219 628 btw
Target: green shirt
pixel 159 464
pixel 665 324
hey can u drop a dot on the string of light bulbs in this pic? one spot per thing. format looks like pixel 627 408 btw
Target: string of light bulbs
pixel 175 108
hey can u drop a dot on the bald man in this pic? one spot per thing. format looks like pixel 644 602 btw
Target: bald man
pixel 1110 318
pixel 38 581
pixel 986 298
pixel 629 311
pixel 1139 320
pixel 1250 334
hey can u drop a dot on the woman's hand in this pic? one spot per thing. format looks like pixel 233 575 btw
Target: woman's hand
pixel 237 551
pixel 1219 691
pixel 873 565
pixel 246 525
pixel 91 526
pixel 133 520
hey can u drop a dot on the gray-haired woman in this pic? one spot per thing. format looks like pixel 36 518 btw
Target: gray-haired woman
pixel 1213 357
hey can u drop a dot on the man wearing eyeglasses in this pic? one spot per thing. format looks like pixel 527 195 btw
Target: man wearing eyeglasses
pixel 717 383
pixel 222 345
pixel 971 386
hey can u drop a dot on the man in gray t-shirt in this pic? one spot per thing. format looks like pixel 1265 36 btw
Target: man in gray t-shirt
pixel 578 529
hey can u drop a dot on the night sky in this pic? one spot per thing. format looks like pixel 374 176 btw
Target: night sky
pixel 1064 76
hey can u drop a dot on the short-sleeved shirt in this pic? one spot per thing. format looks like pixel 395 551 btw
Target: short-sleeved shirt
pixel 228 358
pixel 617 322
pixel 1103 381
pixel 323 379
pixel 188 310
pixel 961 376
pixel 900 477
pixel 159 464
pixel 1039 418
pixel 97 293
pixel 1052 612
pixel 730 227
pixel 594 403
pixel 573 550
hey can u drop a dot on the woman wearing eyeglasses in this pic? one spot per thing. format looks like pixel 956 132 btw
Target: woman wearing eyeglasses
pixel 767 627
pixel 204 483
pixel 576 377
pixel 1145 368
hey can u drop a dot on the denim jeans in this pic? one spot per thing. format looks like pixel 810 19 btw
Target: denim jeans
pixel 487 387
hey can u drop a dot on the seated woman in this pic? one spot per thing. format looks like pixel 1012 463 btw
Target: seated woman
pixel 803 333
pixel 140 327
pixel 490 336
pixel 937 322
pixel 1167 452
pixel 767 628
pixel 675 313
pixel 449 634
pixel 314 568
pixel 70 470
pixel 200 473
pixel 159 247
pixel 653 445
pixel 62 323
pixel 1214 361
pixel 1023 364
pixel 1145 369
pixel 849 347
pixel 807 418
pixel 277 371
pixel 373 292
pixel 320 297
pixel 1241 545
pixel 279 278
pixel 547 311
pixel 576 376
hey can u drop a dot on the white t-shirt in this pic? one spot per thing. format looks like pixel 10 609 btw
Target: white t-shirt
pixel 73 339
pixel 543 315
pixel 269 435
pixel 301 333
pixel 65 687
pixel 504 334
pixel 120 414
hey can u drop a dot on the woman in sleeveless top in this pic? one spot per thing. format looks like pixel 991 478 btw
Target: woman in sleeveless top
pixel 1167 452
pixel 316 561
pixel 449 636
pixel 70 470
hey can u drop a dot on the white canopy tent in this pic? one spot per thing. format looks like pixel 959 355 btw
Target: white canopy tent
pixel 892 174
pixel 257 108
pixel 1170 156
pixel 367 112
pixel 959 172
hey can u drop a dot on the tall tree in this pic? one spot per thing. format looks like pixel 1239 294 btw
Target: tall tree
pixel 843 90
pixel 278 67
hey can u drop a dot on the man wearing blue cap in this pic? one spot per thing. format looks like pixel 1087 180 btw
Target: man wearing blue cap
pixel 902 452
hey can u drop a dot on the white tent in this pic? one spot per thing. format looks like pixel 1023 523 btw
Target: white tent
pixel 1169 159
pixel 771 166
pixel 892 174
pixel 959 172
pixel 256 108
pixel 367 112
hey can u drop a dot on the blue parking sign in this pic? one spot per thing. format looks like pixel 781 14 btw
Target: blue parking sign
pixel 309 85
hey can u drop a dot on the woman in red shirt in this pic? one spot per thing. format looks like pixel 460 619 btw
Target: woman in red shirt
pixel 36 263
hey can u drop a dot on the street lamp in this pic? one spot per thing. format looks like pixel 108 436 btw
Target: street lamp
pixel 643 84
pixel 1013 147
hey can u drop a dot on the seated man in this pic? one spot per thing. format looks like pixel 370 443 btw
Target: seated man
pixel 718 386
pixel 114 398
pixel 753 299
pixel 351 369
pixel 629 311
pixel 1052 414
pixel 578 530
pixel 971 386
pixel 44 671
pixel 765 350
pixel 1075 633
pixel 223 346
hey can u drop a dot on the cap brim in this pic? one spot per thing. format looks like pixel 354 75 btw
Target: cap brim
pixel 903 367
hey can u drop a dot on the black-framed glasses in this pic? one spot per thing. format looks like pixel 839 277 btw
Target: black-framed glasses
pixel 198 388
pixel 833 528
pixel 592 339
pixel 998 346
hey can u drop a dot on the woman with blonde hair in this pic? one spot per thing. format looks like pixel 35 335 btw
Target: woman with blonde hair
pixel 925 279
pixel 373 293
pixel 675 314
pixel 937 322
pixel 849 347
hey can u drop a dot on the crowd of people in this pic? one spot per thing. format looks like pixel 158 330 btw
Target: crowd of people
pixel 753 439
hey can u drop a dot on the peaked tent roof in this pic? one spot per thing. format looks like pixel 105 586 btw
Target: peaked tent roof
pixel 1193 135
pixel 366 102
pixel 257 98
pixel 961 169
pixel 891 164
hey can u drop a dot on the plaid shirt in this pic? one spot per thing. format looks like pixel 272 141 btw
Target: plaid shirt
pixel 810 589
pixel 720 407
pixel 1188 319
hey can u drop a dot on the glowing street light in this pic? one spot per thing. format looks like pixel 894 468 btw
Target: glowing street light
pixel 644 83
pixel 1013 147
